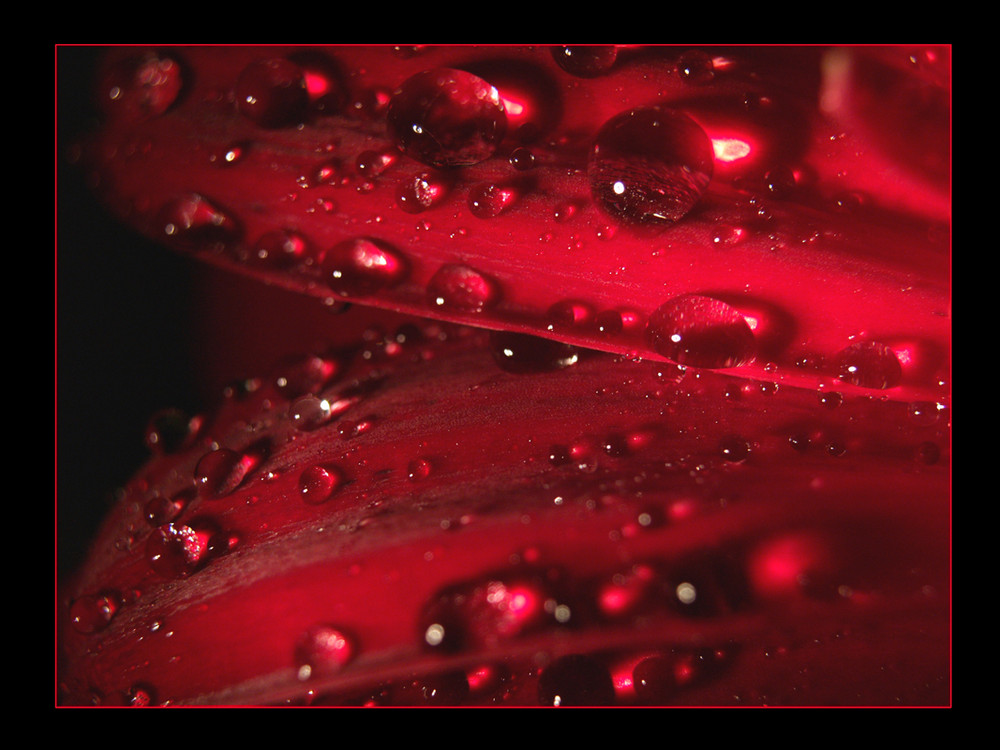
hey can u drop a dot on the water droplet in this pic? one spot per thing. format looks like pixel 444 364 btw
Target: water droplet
pixel 142 87
pixel 925 413
pixel 486 612
pixel 323 81
pixel 221 471
pixel 161 509
pixel 734 450
pixel 488 200
pixel 417 469
pixel 830 399
pixel 869 364
pixel 696 68
pixel 94 612
pixel 362 266
pixel 585 61
pixel 569 314
pixel 421 192
pixel 194 223
pixel 702 332
pixel 447 118
pixel 272 93
pixel 522 353
pixel 650 166
pixel 522 159
pixel 299 376
pixel 781 181
pixel 317 484
pixel 458 287
pixel 371 163
pixel 230 155
pixel 576 680
pixel 310 412
pixel 177 551
pixel 278 249
pixel 322 650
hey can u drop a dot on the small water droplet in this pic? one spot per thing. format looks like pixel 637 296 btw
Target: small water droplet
pixel 310 412
pixel 193 223
pixel 830 399
pixel 447 118
pixel 734 450
pixel 272 93
pixel 869 364
pixel 301 375
pixel 322 650
pixel 229 155
pixel 585 61
pixel 317 484
pixel 278 249
pixel 522 353
pixel 522 159
pixel 221 471
pixel 458 287
pixel 702 332
pixel 421 192
pixel 363 266
pixel 323 81
pixel 650 166
pixel 696 68
pixel 161 509
pixel 94 612
pixel 178 550
pixel 371 163
pixel 417 469
pixel 488 200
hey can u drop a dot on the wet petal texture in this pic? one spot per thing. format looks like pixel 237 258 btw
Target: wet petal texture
pixel 536 522
pixel 632 178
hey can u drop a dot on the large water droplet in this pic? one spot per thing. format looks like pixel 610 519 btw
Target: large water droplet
pixel 650 166
pixel 702 332
pixel 458 287
pixel 521 353
pixel 362 266
pixel 576 680
pixel 447 118
pixel 272 93
pixel 869 364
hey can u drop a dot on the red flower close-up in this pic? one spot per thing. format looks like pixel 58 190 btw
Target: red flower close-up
pixel 503 376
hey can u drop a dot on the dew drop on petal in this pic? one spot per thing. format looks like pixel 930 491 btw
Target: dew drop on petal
pixel 272 93
pixel 869 364
pixel 488 200
pixel 701 332
pixel 362 266
pixel 447 118
pixel 458 287
pixel 650 166
pixel 221 471
pixel 317 484
pixel 523 353
pixel 94 612
pixel 278 249
pixel 421 192
pixel 177 550
pixel 310 412
pixel 161 509
pixel 322 650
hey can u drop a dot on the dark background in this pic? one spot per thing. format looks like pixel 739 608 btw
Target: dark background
pixel 121 312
